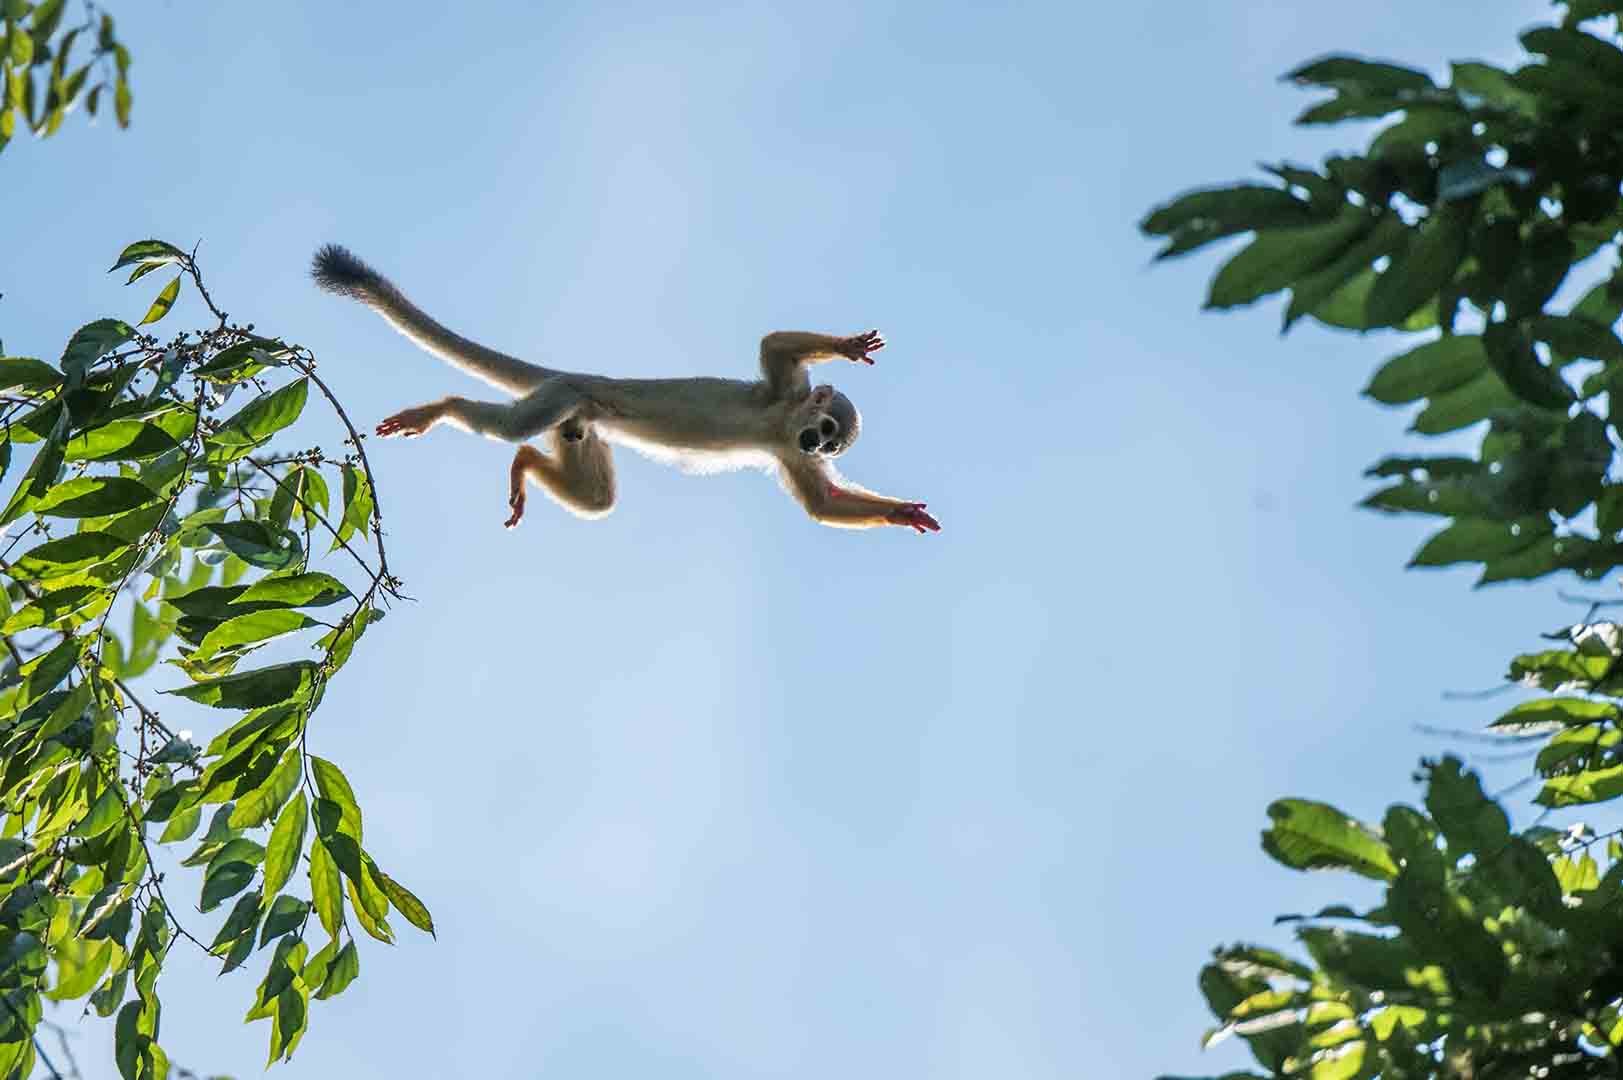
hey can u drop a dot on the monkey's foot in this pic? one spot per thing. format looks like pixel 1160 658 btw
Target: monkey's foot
pixel 409 422
pixel 913 516
pixel 857 347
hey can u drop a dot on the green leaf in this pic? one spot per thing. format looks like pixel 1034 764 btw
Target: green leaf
pixel 1407 139
pixel 122 102
pixel 80 965
pixel 296 590
pixel 1513 358
pixel 278 719
pixel 1552 714
pixel 259 420
pixel 121 440
pixel 316 968
pixel 1416 274
pixel 55 558
pixel 1588 786
pixel 1464 405
pixel 1429 369
pixel 286 842
pixel 340 642
pixel 256 807
pixel 1573 337
pixel 257 545
pixel 254 627
pixel 225 880
pixel 27 373
pixel 1199 217
pixel 1493 87
pixel 341 972
pixel 1478 540
pixel 93 496
pixel 148 252
pixel 237 849
pixel 405 903
pixel 252 689
pixel 326 887
pixel 53 606
pixel 337 814
pixel 44 673
pixel 286 914
pixel 1355 74
pixel 106 812
pixel 357 504
pixel 1278 257
pixel 1545 555
pixel 241 361
pixel 182 825
pixel 22 52
pixel 242 920
pixel 212 602
pixel 42 471
pixel 365 898
pixel 1313 291
pixel 46 17
pixel 291 1015
pixel 128 1041
pixel 1576 47
pixel 165 300
pixel 1537 273
pixel 1309 835
pixel 93 341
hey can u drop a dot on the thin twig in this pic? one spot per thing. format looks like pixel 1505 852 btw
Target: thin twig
pixel 61 1033
pixel 356 440
pixel 299 501
pixel 191 268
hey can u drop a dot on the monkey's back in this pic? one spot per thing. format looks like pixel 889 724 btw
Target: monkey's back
pixel 701 423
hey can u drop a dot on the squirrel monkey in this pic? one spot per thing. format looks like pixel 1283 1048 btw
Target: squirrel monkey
pixel 779 421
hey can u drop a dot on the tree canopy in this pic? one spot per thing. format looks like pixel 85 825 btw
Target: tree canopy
pixel 158 526
pixel 1482 219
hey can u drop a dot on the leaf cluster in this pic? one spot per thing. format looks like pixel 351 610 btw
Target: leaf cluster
pixel 1483 219
pixel 41 81
pixel 139 485
pixel 1468 211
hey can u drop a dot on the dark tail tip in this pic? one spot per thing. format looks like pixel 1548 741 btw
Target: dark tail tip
pixel 337 270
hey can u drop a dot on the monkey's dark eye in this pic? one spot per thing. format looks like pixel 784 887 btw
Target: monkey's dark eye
pixel 808 440
pixel 829 426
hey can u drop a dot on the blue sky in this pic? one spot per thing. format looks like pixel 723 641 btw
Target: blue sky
pixel 703 789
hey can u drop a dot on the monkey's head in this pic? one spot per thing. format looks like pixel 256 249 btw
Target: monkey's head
pixel 826 423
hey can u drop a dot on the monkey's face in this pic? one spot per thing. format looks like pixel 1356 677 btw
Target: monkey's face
pixel 827 423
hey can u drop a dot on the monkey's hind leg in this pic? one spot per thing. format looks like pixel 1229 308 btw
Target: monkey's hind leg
pixel 578 472
pixel 553 403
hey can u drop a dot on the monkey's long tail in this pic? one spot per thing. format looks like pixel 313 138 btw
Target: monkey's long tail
pixel 337 270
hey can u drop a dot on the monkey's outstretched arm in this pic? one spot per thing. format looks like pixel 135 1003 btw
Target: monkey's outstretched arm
pixel 785 354
pixel 833 500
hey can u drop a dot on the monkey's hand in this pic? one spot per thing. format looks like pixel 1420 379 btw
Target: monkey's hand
pixel 515 487
pixel 410 422
pixel 913 516
pixel 857 347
